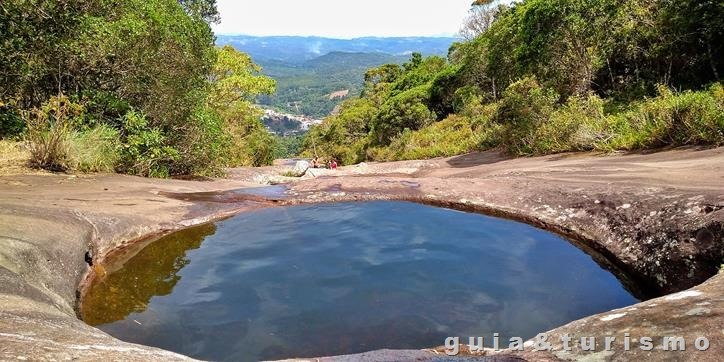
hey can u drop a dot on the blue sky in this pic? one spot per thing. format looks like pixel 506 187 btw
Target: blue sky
pixel 342 19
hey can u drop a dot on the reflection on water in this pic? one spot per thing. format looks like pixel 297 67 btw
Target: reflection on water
pixel 152 272
pixel 335 279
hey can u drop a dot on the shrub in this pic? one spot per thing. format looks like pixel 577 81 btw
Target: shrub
pixel 49 134
pixel 289 146
pixel 204 146
pixel 452 136
pixel 344 136
pixel 49 147
pixel 11 121
pixel 578 125
pixel 405 110
pixel 524 107
pixel 671 119
pixel 145 151
pixel 260 146
pixel 482 118
pixel 355 153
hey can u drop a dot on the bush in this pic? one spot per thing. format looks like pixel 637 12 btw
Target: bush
pixel 204 146
pixel 145 151
pixel 355 153
pixel 405 110
pixel 344 136
pixel 260 146
pixel 49 148
pixel 56 145
pixel 289 146
pixel 482 120
pixel 453 136
pixel 528 121
pixel 687 118
pixel 671 120
pixel 95 150
pixel 50 131
pixel 525 107
pixel 578 125
pixel 11 121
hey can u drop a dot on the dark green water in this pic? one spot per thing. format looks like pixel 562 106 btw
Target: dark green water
pixel 343 278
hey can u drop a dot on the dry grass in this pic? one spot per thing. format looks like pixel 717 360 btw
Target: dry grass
pixel 14 158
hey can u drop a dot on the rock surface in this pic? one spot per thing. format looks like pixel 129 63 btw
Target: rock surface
pixel 47 223
pixel 300 168
pixel 655 220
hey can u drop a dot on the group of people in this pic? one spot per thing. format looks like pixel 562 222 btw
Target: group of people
pixel 331 164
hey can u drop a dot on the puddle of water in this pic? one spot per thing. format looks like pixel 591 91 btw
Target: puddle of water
pixel 344 278
pixel 272 192
pixel 254 194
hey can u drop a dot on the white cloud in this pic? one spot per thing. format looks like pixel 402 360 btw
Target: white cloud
pixel 342 19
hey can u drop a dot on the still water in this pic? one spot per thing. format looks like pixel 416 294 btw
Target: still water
pixel 344 278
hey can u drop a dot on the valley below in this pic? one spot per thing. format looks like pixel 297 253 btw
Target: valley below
pixel 314 74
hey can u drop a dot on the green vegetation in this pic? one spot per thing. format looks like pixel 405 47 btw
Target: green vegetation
pixel 49 132
pixel 309 69
pixel 545 76
pixel 289 146
pixel 305 88
pixel 128 85
pixel 95 150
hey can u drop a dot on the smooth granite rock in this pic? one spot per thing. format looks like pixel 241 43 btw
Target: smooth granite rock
pixel 655 220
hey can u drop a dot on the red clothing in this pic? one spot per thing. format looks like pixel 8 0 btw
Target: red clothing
pixel 334 165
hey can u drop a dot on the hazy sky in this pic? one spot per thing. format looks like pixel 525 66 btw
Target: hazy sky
pixel 342 19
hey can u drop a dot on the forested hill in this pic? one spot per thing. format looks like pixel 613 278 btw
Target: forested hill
pixel 545 76
pixel 306 88
pixel 308 70
pixel 341 61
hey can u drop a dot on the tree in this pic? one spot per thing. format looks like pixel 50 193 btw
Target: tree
pixel 35 48
pixel 406 110
pixel 415 61
pixel 147 68
pixel 235 82
pixel 204 9
pixel 480 17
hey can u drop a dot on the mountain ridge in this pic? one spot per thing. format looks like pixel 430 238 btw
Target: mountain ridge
pixel 297 49
pixel 309 69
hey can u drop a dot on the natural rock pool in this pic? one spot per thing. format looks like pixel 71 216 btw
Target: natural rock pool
pixel 343 278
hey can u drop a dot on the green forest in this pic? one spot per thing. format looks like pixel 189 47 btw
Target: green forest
pixel 139 87
pixel 132 86
pixel 305 88
pixel 545 76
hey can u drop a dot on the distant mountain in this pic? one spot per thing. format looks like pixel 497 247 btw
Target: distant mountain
pixel 329 64
pixel 297 50
pixel 311 72
pixel 336 61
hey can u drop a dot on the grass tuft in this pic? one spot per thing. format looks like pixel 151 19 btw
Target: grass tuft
pixel 95 150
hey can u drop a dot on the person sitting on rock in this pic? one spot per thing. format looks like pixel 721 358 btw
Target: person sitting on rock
pixel 333 164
